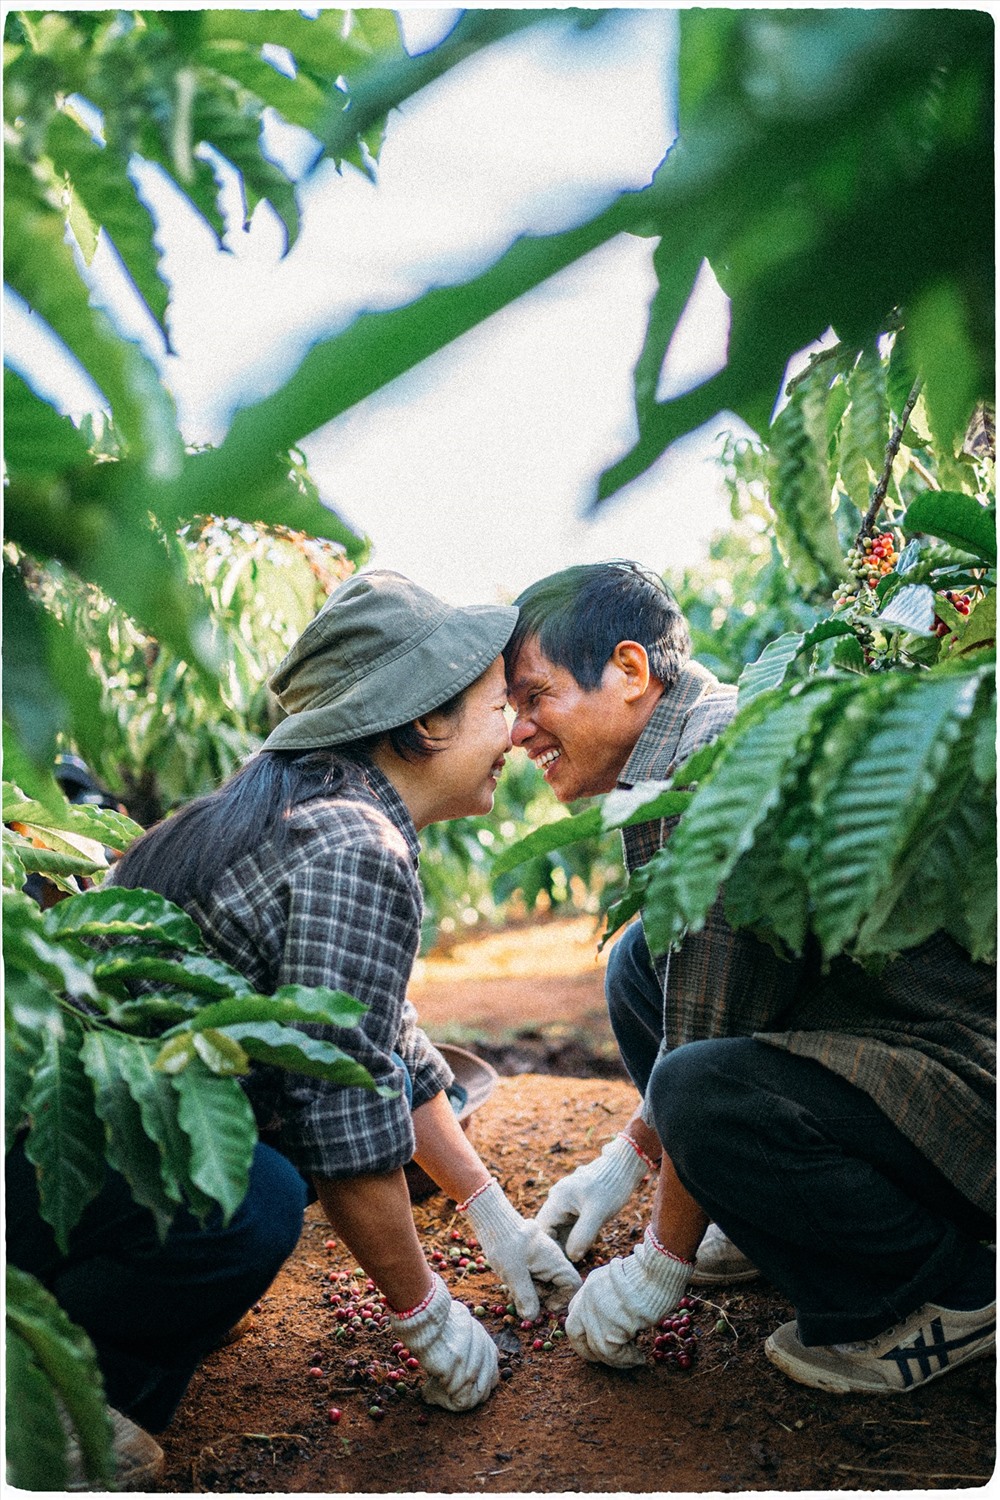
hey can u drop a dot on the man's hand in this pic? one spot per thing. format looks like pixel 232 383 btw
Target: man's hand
pixel 520 1252
pixel 620 1299
pixel 457 1353
pixel 578 1206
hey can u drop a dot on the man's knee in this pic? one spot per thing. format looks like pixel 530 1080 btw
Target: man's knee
pixel 270 1216
pixel 695 1091
pixel 677 1093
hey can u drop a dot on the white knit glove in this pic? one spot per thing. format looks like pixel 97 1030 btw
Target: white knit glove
pixel 457 1353
pixel 520 1252
pixel 586 1199
pixel 620 1299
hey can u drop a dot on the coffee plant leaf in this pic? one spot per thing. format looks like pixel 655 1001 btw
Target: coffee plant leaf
pixel 197 973
pixel 215 1115
pixel 36 1443
pixel 956 518
pixel 771 667
pixel 625 908
pixel 290 1004
pixel 979 631
pixel 57 866
pixel 558 834
pixel 220 1053
pixel 158 1102
pixel 54 1346
pixel 127 1148
pixel 29 950
pixel 746 785
pixel 65 1141
pixel 911 609
pixel 645 802
pixel 14 872
pixel 284 1047
pixel 893 763
pixel 100 195
pixel 22 1049
pixel 950 885
pixel 118 911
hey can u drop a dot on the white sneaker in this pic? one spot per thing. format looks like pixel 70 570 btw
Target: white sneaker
pixel 718 1261
pixel 929 1343
pixel 138 1458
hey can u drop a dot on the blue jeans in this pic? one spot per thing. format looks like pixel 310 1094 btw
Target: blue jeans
pixel 801 1170
pixel 152 1310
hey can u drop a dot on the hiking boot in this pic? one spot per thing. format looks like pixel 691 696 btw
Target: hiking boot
pixel 719 1262
pixel 929 1343
pixel 138 1458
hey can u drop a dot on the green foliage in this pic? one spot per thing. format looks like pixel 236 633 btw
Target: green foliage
pixel 743 595
pixel 853 798
pixel 151 729
pixel 816 170
pixel 148 1083
pixel 49 1357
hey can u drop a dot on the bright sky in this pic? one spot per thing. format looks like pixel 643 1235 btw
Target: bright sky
pixel 472 473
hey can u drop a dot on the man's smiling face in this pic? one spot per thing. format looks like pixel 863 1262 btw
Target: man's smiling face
pixel 581 740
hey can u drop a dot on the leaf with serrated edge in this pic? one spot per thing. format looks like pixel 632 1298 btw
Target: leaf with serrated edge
pixel 65 1142
pixel 128 1148
pixel 217 1119
pixel 66 1356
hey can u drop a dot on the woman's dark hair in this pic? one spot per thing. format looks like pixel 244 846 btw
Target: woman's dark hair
pixel 580 614
pixel 185 855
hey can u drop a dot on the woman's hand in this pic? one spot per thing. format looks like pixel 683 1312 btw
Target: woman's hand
pixel 457 1353
pixel 520 1252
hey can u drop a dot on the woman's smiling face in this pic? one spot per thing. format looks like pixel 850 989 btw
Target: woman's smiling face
pixel 474 742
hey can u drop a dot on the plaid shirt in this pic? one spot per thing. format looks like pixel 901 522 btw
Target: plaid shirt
pixel 341 907
pixel 919 1038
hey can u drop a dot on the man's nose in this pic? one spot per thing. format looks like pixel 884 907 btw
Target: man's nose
pixel 522 729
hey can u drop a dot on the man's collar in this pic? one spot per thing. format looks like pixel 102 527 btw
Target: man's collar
pixel 657 745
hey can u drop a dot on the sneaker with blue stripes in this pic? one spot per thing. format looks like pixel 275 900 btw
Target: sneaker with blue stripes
pixel 929 1343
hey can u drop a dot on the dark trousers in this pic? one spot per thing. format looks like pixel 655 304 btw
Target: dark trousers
pixel 801 1170
pixel 153 1310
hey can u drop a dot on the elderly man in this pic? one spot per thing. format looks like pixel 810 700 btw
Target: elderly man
pixel 833 1129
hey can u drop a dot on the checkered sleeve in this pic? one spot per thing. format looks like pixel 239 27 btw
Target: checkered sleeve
pixel 353 924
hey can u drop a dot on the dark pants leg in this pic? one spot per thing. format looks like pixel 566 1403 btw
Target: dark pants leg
pixel 635 1004
pixel 818 1187
pixel 153 1310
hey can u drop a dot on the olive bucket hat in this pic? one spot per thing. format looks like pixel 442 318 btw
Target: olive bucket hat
pixel 381 652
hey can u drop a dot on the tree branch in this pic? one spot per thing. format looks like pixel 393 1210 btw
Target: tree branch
pixel 892 448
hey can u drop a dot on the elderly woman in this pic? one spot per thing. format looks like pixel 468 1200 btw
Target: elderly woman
pixel 302 869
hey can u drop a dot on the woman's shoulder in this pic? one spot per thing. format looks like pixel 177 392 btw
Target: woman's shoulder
pixel 351 824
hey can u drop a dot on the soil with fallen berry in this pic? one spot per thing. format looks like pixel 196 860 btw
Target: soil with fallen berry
pixel 318 1396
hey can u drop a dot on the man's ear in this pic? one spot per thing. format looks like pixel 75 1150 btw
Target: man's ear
pixel 631 660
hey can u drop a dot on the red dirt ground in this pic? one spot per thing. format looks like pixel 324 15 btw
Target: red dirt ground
pixel 255 1421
